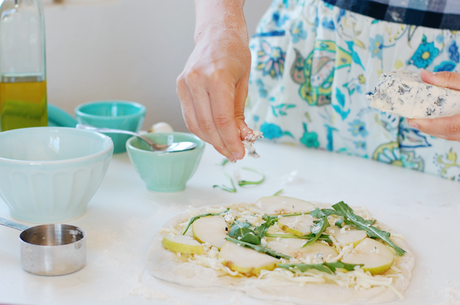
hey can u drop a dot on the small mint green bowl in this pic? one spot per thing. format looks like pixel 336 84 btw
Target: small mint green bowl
pixel 165 172
pixel 123 115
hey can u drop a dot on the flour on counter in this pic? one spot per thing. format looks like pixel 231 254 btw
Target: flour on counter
pixel 148 294
pixel 451 295
pixel 292 178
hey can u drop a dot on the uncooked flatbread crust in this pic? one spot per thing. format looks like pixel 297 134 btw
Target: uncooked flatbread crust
pixel 166 265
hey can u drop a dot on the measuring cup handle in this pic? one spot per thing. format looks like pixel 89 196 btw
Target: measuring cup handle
pixel 17 226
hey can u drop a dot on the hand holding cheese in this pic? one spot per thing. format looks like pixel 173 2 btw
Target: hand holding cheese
pixel 404 93
pixel 446 128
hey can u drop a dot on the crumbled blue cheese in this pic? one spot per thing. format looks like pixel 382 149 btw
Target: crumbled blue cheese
pixel 249 141
pixel 404 93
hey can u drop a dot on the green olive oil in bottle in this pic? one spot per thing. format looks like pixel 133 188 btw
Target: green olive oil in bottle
pixel 23 101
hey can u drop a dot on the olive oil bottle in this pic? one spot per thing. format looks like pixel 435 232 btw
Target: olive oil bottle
pixel 23 99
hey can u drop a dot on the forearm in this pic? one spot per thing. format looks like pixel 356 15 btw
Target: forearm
pixel 214 17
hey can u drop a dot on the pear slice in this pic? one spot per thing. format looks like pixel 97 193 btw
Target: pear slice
pixel 293 248
pixel 211 229
pixel 297 225
pixel 347 236
pixel 244 260
pixel 278 205
pixel 182 244
pixel 375 256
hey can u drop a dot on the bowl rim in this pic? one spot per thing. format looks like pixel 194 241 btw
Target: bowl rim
pixel 129 146
pixel 142 108
pixel 71 160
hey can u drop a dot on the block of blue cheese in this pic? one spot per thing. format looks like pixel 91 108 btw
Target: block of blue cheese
pixel 404 93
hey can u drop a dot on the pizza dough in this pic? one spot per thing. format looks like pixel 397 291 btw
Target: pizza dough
pixel 403 92
pixel 176 268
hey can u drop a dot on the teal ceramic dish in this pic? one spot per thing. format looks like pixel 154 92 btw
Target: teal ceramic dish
pixel 49 174
pixel 123 115
pixel 165 172
pixel 59 118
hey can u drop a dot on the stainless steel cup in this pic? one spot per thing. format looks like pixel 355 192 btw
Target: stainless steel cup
pixel 51 249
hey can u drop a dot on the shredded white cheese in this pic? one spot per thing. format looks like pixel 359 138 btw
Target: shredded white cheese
pixel 357 279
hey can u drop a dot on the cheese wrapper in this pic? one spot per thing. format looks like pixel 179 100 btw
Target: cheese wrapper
pixel 403 92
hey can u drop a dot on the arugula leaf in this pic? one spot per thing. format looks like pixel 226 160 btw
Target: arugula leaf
pixel 226 188
pixel 329 268
pixel 339 264
pixel 319 225
pixel 200 216
pixel 323 237
pixel 263 228
pixel 328 212
pixel 260 249
pixel 244 231
pixel 342 209
pixel 244 182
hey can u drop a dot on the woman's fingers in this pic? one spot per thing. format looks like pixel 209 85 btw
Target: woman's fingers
pixel 223 113
pixel 240 101
pixel 442 79
pixel 188 108
pixel 445 128
pixel 205 116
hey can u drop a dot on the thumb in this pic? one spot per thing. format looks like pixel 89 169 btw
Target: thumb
pixel 449 80
pixel 240 100
pixel 446 128
pixel 245 131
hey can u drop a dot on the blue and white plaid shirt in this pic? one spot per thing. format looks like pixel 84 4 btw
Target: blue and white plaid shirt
pixel 439 14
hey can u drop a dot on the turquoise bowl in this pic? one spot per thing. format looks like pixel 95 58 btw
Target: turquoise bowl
pixel 165 172
pixel 49 174
pixel 123 115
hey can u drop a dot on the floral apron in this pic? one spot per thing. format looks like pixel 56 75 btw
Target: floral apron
pixel 313 64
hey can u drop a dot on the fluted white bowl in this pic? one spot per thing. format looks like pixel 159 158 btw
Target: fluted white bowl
pixel 49 174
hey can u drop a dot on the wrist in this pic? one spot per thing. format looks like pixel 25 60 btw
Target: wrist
pixel 220 18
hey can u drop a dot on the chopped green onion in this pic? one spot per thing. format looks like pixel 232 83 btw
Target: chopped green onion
pixel 226 188
pixel 244 182
pixel 224 162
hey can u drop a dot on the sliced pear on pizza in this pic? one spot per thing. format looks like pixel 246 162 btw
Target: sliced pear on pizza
pixel 211 229
pixel 346 237
pixel 279 205
pixel 376 257
pixel 244 260
pixel 297 225
pixel 182 244
pixel 294 248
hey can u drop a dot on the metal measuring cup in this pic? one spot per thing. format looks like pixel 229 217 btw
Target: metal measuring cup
pixel 51 249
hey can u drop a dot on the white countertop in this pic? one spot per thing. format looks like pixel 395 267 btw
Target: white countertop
pixel 123 216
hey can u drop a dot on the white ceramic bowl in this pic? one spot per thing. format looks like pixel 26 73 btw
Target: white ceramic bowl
pixel 49 174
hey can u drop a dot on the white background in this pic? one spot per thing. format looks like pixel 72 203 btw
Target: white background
pixel 123 49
